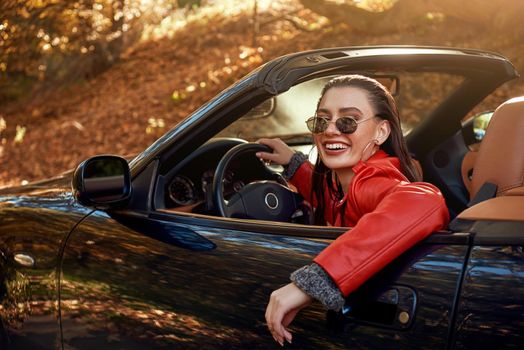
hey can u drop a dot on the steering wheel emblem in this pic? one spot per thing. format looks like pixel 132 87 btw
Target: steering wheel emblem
pixel 271 200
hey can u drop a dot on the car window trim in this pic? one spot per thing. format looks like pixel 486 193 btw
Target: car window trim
pixel 288 229
pixel 492 232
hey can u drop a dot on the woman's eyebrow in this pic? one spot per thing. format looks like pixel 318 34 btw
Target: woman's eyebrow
pixel 341 110
pixel 349 109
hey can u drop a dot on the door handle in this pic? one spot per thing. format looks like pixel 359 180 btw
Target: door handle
pixel 393 308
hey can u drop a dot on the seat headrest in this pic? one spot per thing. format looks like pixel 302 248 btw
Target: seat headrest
pixel 500 159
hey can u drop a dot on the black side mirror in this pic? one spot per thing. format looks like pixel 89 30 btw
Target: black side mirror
pixel 102 180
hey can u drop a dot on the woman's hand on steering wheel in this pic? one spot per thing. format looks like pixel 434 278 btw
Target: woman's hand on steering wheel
pixel 281 155
pixel 259 199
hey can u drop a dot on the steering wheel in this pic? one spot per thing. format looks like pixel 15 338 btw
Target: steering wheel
pixel 261 199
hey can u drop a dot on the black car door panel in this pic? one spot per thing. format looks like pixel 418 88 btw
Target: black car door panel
pixel 492 300
pixel 409 304
pixel 32 229
pixel 128 284
pixel 120 285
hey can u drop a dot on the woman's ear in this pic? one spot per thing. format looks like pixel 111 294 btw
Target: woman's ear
pixel 383 129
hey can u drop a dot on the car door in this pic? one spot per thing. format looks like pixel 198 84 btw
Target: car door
pixel 34 220
pixel 166 280
pixel 491 307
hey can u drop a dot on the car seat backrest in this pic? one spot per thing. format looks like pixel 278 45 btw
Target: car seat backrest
pixel 497 182
pixel 500 159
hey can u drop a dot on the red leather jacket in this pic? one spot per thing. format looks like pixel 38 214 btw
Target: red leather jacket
pixel 387 213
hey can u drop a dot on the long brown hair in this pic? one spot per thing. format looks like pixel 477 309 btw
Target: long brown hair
pixel 395 145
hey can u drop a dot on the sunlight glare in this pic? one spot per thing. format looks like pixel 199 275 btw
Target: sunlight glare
pixel 172 21
pixel 20 133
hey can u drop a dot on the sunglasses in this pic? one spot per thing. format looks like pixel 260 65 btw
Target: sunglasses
pixel 346 125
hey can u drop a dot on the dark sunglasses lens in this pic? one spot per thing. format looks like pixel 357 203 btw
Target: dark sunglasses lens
pixel 346 125
pixel 316 125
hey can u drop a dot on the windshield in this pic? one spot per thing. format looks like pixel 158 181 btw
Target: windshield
pixel 417 95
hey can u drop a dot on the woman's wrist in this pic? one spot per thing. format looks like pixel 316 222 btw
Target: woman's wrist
pixel 315 282
pixel 294 163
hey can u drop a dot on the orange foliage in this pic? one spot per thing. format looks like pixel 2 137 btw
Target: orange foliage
pixel 185 61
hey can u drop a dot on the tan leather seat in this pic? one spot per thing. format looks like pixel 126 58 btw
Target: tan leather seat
pixel 500 161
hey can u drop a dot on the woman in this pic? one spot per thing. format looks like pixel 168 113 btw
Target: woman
pixel 363 178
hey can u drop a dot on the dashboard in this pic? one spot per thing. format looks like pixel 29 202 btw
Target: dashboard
pixel 189 184
pixel 182 190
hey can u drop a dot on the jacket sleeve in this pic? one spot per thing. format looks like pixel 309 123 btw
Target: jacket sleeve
pixel 398 215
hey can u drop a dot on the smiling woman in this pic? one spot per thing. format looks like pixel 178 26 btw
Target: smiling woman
pixel 361 179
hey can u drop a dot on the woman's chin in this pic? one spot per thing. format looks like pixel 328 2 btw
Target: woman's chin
pixel 339 162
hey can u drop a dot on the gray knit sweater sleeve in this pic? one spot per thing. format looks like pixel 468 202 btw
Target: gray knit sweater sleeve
pixel 315 282
pixel 296 160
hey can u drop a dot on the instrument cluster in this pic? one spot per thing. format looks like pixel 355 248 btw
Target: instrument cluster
pixel 186 190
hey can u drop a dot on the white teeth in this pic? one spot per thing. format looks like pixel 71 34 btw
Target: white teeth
pixel 334 146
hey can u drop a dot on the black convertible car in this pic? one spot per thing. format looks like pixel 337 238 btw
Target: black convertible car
pixel 181 247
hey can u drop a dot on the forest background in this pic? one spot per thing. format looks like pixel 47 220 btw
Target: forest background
pixel 84 77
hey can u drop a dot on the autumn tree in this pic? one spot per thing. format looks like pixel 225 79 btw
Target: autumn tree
pixel 400 15
pixel 57 41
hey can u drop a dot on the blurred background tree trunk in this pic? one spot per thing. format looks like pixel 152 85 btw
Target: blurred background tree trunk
pixel 116 39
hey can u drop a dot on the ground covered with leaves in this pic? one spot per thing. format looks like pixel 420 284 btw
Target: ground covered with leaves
pixel 160 81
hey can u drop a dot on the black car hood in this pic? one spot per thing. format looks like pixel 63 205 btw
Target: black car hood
pixel 61 182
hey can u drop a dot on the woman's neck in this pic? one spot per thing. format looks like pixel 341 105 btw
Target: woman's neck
pixel 344 176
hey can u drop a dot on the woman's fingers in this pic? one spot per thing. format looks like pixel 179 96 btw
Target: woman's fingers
pixel 288 336
pixel 281 154
pixel 283 306
pixel 274 315
pixel 268 156
pixel 290 316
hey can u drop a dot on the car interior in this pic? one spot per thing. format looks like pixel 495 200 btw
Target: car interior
pixel 496 184
pixel 459 165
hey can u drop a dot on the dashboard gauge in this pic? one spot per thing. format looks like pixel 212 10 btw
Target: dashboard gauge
pixel 182 191
pixel 207 179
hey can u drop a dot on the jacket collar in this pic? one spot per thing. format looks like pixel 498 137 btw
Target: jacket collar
pixel 376 158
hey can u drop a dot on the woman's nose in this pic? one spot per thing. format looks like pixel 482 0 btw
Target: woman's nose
pixel 332 128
